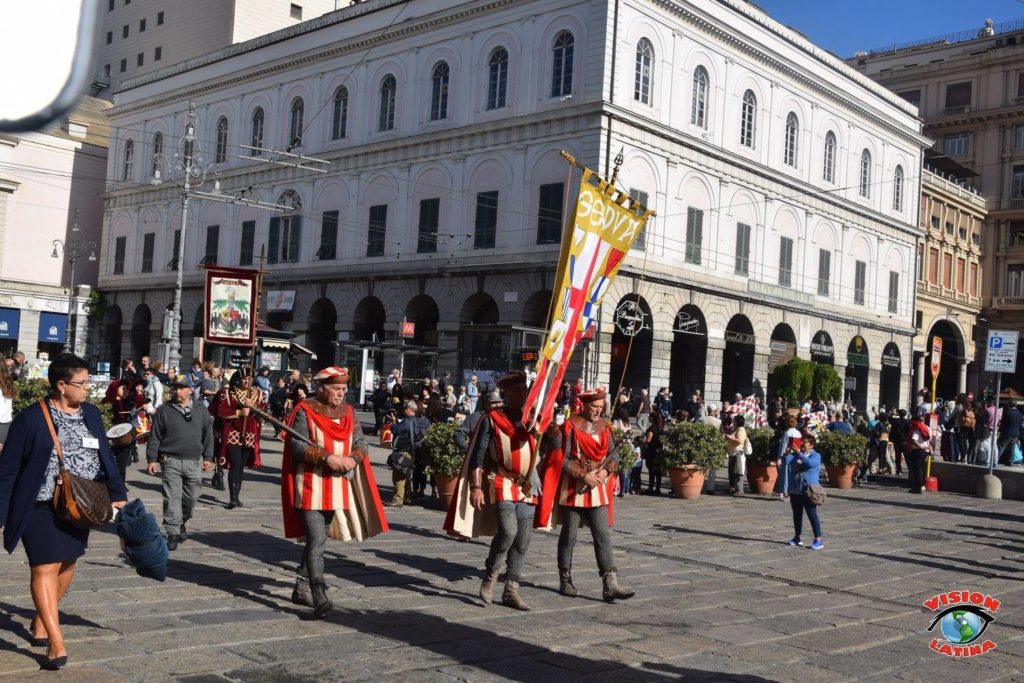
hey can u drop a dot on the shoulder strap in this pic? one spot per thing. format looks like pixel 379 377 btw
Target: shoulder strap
pixel 53 432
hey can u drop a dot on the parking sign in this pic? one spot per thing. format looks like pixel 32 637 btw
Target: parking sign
pixel 1001 354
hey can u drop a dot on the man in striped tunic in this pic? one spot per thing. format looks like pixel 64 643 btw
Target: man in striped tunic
pixel 503 458
pixel 327 484
pixel 578 488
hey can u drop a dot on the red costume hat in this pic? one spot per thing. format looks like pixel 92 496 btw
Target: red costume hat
pixel 598 394
pixel 332 375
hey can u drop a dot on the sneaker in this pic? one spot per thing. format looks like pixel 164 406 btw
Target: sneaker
pixel 817 545
pixel 795 541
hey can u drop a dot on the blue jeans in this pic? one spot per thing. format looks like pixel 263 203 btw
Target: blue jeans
pixel 624 482
pixel 800 503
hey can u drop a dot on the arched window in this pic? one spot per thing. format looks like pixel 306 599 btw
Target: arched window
pixel 561 65
pixel 295 129
pixel 339 123
pixel 865 174
pixel 748 120
pixel 256 138
pixel 792 143
pixel 221 154
pixel 439 79
pixel 699 101
pixel 642 77
pixel 497 78
pixel 158 152
pixel 129 160
pixel 897 189
pixel 388 89
pixel 828 171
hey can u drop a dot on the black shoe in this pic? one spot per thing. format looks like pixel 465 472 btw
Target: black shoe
pixel 54 664
pixel 182 535
pixel 172 542
pixel 231 504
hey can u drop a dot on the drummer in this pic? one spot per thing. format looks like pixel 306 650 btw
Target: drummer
pixel 122 405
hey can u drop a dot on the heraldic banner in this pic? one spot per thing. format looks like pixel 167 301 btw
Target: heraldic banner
pixel 230 304
pixel 605 223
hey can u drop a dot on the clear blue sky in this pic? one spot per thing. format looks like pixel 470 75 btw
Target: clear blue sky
pixel 846 26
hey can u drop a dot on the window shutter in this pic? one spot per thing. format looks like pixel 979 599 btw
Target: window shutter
pixel 274 239
pixel 294 239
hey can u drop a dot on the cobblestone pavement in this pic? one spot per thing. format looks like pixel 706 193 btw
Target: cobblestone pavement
pixel 720 596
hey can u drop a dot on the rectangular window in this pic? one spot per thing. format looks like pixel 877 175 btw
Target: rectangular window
pixel 124 31
pixel 824 271
pixel 1016 236
pixel 912 96
pixel 641 197
pixel 110 37
pixel 785 262
pixel 936 222
pixel 124 65
pixel 328 236
pixel 962 233
pixel 894 291
pixel 742 249
pixel 920 262
pixel 961 275
pixel 119 248
pixel 958 95
pixel 860 279
pixel 106 70
pixel 933 266
pixel 1017 190
pixel 158 52
pixel 486 227
pixel 377 230
pixel 212 241
pixel 148 245
pixel 110 5
pixel 142 25
pixel 139 59
pixel 956 144
pixel 947 271
pixel 284 239
pixel 430 218
pixel 248 242
pixel 172 264
pixel 159 18
pixel 1020 84
pixel 549 213
pixel 949 228
pixel 1018 137
pixel 973 284
pixel 296 12
pixel 1014 279
pixel 694 234
pixel 274 239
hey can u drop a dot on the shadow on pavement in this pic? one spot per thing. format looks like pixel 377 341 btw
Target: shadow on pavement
pixel 718 534
pixel 981 569
pixel 11 627
pixel 436 566
pixel 984 514
pixel 233 582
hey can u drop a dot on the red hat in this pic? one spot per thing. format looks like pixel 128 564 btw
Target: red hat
pixel 512 378
pixel 598 394
pixel 332 375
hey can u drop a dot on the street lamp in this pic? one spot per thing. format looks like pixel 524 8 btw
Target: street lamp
pixel 185 170
pixel 74 249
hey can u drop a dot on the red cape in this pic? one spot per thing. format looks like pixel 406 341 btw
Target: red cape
pixel 551 482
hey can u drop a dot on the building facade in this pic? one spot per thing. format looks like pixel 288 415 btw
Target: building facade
pixel 969 88
pixel 51 184
pixel 786 188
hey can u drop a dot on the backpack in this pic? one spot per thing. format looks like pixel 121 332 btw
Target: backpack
pixel 967 419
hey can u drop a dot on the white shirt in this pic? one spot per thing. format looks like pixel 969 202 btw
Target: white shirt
pixel 6 409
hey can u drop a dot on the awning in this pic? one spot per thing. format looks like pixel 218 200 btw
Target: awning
pixel 303 349
pixel 279 344
pixel 10 323
pixel 53 327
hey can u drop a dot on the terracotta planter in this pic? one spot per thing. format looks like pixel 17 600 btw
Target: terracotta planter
pixel 840 476
pixel 762 476
pixel 687 481
pixel 445 488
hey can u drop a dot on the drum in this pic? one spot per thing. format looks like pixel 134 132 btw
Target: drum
pixel 121 435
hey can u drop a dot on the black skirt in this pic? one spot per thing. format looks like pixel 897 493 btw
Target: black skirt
pixel 48 539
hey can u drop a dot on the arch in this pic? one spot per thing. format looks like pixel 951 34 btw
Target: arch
pixel 256 122
pixel 828 160
pixel 479 309
pixel 423 311
pixel 129 160
pixel 631 356
pixel 563 49
pixel 897 189
pixel 864 184
pixel 321 332
pixel 858 364
pixel 889 377
pixel 221 148
pixel 388 98
pixel 297 113
pixel 822 349
pixel 158 151
pixel 368 319
pixel 738 358
pixel 791 145
pixel 110 331
pixel 339 117
pixel 440 80
pixel 688 363
pixel 953 354
pixel 781 349
pixel 748 120
pixel 643 77
pixel 141 321
pixel 699 97
pixel 497 78
pixel 536 308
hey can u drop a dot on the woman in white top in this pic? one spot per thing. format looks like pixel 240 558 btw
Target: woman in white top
pixel 736 445
pixel 8 392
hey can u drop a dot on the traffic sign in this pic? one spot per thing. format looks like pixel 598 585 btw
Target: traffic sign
pixel 1001 354
pixel 936 355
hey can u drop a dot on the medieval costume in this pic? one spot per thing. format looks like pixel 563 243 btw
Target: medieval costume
pixel 327 484
pixel 577 488
pixel 497 492
pixel 239 430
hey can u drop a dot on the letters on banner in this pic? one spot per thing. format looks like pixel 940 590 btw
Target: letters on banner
pixel 605 223
pixel 230 304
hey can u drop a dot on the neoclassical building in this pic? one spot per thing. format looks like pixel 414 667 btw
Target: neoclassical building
pixel 786 186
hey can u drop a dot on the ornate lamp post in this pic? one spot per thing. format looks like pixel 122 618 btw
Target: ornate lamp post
pixel 74 249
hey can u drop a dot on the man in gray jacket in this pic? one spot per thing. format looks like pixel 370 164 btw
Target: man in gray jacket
pixel 181 440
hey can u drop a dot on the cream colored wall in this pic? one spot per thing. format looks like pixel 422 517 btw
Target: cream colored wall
pixel 254 18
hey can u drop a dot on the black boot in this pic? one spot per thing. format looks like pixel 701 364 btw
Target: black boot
pixel 612 591
pixel 321 603
pixel 301 594
pixel 238 495
pixel 217 481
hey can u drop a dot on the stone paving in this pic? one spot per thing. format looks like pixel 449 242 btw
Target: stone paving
pixel 720 597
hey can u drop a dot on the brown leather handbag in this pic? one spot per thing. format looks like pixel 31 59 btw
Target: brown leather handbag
pixel 81 502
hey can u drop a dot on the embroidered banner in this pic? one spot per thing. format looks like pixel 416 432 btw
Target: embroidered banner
pixel 230 301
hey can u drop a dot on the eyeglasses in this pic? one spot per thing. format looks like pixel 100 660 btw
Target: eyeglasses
pixel 81 384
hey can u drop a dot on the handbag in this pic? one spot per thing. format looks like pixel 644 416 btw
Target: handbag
pixel 81 502
pixel 815 494
pixel 403 462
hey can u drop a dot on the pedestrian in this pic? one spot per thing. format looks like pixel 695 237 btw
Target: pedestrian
pixel 737 444
pixel 577 489
pixel 181 441
pixel 898 438
pixel 1009 433
pixel 408 437
pixel 8 392
pixel 63 430
pixel 803 472
pixel 262 381
pixel 327 483
pixel 278 397
pixel 464 433
pixel 652 452
pixel 17 369
pixel 154 388
pixel 380 400
pixel 240 430
pixel 919 445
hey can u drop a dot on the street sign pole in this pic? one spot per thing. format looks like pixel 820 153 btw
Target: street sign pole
pixel 992 454
pixel 1000 358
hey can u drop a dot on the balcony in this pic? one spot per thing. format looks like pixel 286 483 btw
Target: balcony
pixel 953 111
pixel 1016 101
pixel 1008 302
pixel 1016 203
pixel 779 292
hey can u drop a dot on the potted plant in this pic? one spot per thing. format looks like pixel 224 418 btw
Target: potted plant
pixel 626 452
pixel 689 450
pixel 762 468
pixel 445 459
pixel 840 454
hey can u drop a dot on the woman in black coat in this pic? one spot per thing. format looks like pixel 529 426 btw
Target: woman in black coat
pixel 28 470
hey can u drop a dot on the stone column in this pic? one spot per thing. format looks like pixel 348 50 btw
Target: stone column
pixel 962 384
pixel 919 374
pixel 714 361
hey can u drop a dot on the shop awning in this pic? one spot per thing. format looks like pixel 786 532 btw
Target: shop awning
pixel 302 349
pixel 278 344
pixel 53 327
pixel 10 323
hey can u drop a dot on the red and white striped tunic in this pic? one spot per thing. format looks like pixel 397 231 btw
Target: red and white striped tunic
pixel 571 491
pixel 317 487
pixel 513 448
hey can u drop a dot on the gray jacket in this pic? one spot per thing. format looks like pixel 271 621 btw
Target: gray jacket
pixel 173 434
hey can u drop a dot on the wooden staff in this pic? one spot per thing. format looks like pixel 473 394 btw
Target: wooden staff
pixel 280 425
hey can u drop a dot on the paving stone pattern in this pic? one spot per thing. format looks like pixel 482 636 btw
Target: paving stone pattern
pixel 720 597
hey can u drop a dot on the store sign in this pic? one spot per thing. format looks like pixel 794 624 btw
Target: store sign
pixel 936 355
pixel 278 300
pixel 891 357
pixel 630 318
pixel 10 322
pixel 53 327
pixel 740 338
pixel 780 353
pixel 822 345
pixel 856 356
pixel 407 329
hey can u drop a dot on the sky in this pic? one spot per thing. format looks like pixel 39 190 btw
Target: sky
pixel 846 26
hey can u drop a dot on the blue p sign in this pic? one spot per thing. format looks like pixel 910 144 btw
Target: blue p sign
pixel 995 343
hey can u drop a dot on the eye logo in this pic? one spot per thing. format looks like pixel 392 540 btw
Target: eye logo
pixel 963 618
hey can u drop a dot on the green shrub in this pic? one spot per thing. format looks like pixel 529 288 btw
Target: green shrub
pixel 839 449
pixel 626 451
pixel 693 443
pixel 759 441
pixel 828 385
pixel 34 390
pixel 445 455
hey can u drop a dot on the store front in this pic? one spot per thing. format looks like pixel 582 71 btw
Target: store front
pixel 53 330
pixel 10 327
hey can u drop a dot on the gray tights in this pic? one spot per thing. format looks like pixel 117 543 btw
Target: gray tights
pixel 597 518
pixel 316 522
pixel 512 540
